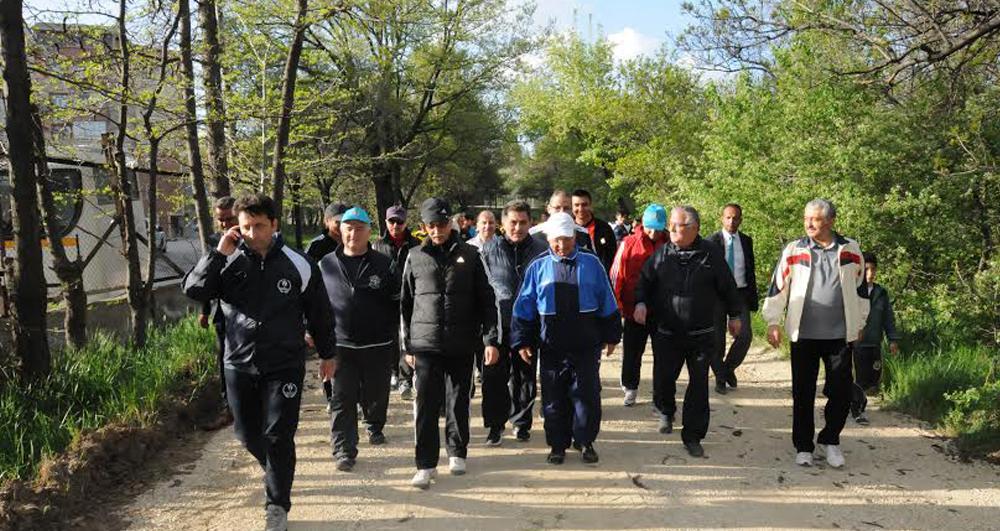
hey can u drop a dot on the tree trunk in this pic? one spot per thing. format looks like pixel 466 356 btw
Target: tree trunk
pixel 218 157
pixel 287 103
pixel 27 277
pixel 70 272
pixel 191 116
pixel 151 198
pixel 122 188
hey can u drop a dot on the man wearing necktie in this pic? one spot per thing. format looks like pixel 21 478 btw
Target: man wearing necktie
pixel 738 250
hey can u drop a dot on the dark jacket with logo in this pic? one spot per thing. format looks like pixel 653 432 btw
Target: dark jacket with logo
pixel 604 242
pixel 320 246
pixel 881 318
pixel 267 303
pixel 366 305
pixel 506 263
pixel 397 255
pixel 681 288
pixel 750 296
pixel 447 304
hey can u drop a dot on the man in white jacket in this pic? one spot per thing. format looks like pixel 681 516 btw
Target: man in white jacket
pixel 816 290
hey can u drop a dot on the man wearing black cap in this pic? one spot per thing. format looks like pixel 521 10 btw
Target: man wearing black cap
pixel 396 244
pixel 448 309
pixel 325 243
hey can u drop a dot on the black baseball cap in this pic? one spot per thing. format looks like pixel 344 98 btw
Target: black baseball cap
pixel 435 210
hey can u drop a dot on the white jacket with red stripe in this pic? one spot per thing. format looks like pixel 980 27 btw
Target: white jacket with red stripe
pixel 791 280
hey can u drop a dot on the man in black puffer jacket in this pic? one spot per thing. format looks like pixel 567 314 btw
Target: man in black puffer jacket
pixel 509 387
pixel 679 287
pixel 269 294
pixel 365 298
pixel 448 309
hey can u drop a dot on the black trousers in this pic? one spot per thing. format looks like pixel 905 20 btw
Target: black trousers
pixel 402 370
pixel 571 396
pixel 724 363
pixel 523 387
pixel 441 380
pixel 671 354
pixel 362 378
pixel 496 394
pixel 634 338
pixel 806 356
pixel 265 411
pixel 867 374
pixel 220 354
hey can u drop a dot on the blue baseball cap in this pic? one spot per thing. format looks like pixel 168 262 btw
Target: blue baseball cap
pixel 655 217
pixel 356 214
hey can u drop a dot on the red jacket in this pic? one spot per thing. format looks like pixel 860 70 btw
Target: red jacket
pixel 625 269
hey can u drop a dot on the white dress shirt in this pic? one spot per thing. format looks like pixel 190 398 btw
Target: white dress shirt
pixel 739 262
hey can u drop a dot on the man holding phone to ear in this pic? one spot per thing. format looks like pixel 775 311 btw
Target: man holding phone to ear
pixel 269 294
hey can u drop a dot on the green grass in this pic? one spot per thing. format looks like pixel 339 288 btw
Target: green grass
pixel 917 383
pixel 106 383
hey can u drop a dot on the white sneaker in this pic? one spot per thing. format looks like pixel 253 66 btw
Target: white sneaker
pixel 422 479
pixel 804 459
pixel 276 518
pixel 834 457
pixel 630 396
pixel 456 465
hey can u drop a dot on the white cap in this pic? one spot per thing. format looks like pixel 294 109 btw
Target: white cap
pixel 560 225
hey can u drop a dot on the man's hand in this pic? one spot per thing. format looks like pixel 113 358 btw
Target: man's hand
pixel 408 358
pixel 491 355
pixel 229 241
pixel 609 349
pixel 640 313
pixel 327 369
pixel 735 327
pixel 203 320
pixel 526 354
pixel 774 335
pixel 893 348
pixel 309 341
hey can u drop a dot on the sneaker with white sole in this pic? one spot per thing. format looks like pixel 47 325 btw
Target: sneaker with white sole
pixel 630 396
pixel 804 459
pixel 422 479
pixel 456 465
pixel 276 518
pixel 834 457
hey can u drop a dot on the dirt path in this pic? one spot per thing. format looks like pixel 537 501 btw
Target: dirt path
pixel 897 476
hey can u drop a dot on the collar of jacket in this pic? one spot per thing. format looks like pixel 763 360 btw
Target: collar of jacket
pixel 839 240
pixel 571 258
pixel 277 242
pixel 341 254
pixel 447 247
pixel 695 246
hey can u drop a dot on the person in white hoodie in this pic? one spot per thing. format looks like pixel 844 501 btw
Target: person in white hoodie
pixel 816 290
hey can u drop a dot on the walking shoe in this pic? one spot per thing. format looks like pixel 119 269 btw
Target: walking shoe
pixel 376 438
pixel 556 457
pixel 804 459
pixel 405 391
pixel 630 396
pixel 577 446
pixel 694 449
pixel 495 438
pixel 590 455
pixel 666 425
pixel 522 434
pixel 720 387
pixel 394 382
pixel 861 418
pixel 456 465
pixel 834 457
pixel 345 464
pixel 329 407
pixel 276 518
pixel 731 379
pixel 422 479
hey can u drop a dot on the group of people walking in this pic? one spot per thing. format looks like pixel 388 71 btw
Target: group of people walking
pixel 524 303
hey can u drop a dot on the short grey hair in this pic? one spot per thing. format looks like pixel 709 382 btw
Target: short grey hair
pixel 690 212
pixel 824 205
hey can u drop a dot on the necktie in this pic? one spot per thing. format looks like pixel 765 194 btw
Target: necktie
pixel 731 254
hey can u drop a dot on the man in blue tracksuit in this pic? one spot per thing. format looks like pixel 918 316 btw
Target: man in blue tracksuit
pixel 566 310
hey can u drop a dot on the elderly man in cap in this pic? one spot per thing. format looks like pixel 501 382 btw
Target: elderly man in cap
pixel 566 312
pixel 679 288
pixel 632 254
pixel 364 294
pixel 396 245
pixel 817 289
pixel 325 243
pixel 448 309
